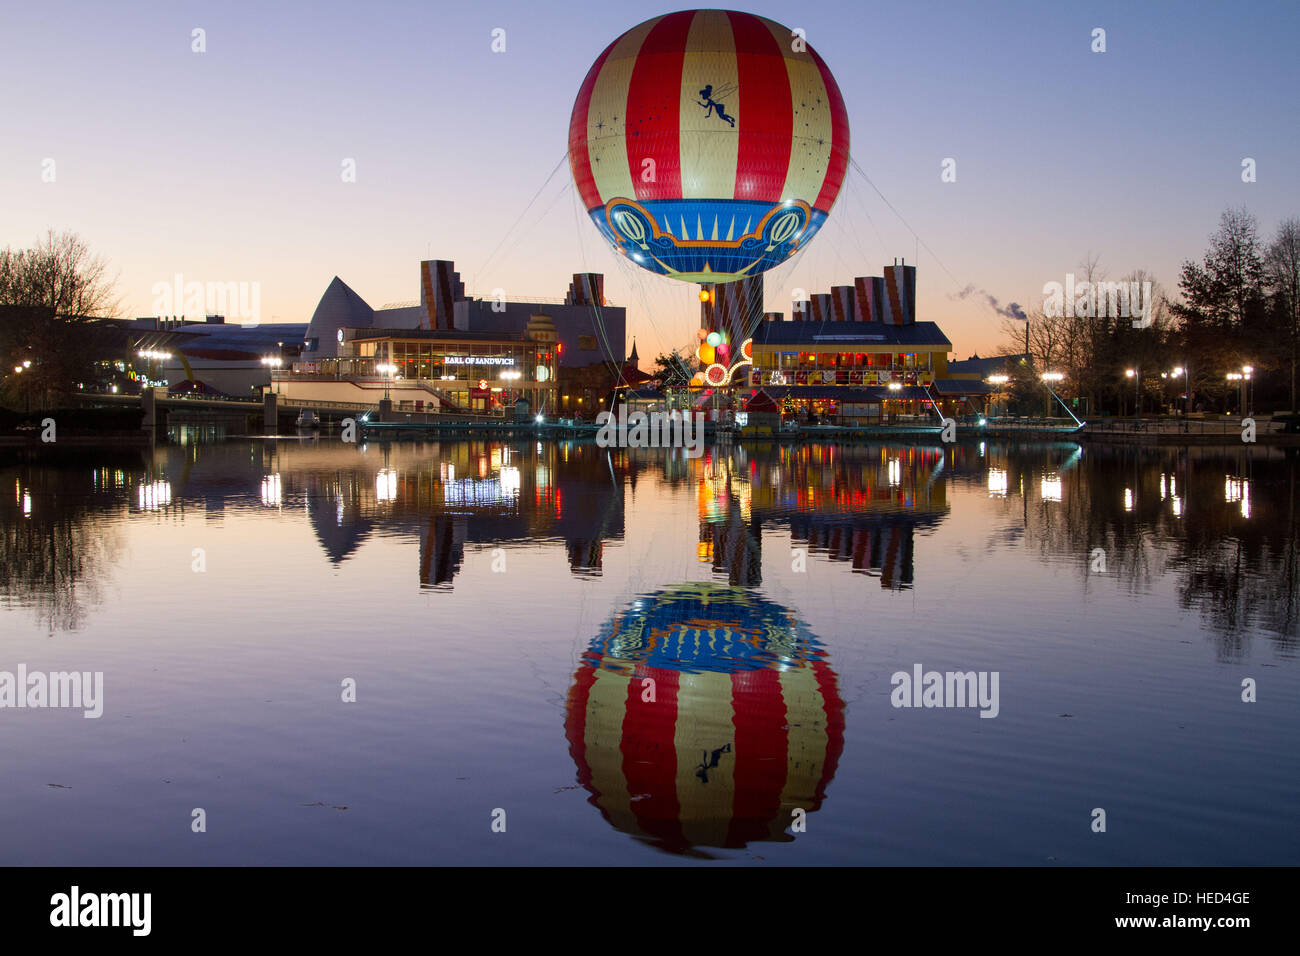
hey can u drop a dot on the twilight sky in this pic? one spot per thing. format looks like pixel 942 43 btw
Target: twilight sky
pixel 225 166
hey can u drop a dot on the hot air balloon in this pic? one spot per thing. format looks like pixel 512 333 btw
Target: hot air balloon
pixel 745 724
pixel 708 145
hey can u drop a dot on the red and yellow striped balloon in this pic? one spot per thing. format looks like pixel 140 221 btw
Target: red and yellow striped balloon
pixel 704 717
pixel 708 145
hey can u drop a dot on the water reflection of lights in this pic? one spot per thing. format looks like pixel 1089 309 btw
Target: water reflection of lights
pixel 386 484
pixel 154 495
pixel 754 729
pixel 1238 490
pixel 1050 487
pixel 271 494
pixel 503 489
pixel 510 482
pixel 997 482
pixel 1178 506
pixel 27 504
pixel 1128 499
pixel 895 472
pixel 1168 486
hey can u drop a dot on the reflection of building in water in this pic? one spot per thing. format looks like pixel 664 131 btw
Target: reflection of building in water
pixel 855 504
pixel 334 510
pixel 586 557
pixel 727 538
pixel 485 494
pixel 879 546
pixel 704 716
pixel 442 549
pixel 60 538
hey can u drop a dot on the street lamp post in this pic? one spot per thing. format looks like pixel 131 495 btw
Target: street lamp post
pixel 1047 378
pixel 273 362
pixel 386 370
pixel 18 370
pixel 1185 373
pixel 1240 381
pixel 1000 381
pixel 1136 375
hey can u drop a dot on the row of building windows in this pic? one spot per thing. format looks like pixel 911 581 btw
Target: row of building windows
pixel 397 351
pixel 451 361
pixel 823 360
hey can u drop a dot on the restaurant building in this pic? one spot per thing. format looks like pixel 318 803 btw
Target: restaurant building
pixel 449 351
pixel 855 355
pixel 433 370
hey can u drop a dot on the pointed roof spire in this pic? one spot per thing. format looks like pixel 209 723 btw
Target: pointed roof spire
pixel 633 357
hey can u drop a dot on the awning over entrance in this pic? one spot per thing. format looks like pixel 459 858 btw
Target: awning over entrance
pixel 957 386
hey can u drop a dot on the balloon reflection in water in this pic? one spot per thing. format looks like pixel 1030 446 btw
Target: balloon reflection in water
pixel 705 715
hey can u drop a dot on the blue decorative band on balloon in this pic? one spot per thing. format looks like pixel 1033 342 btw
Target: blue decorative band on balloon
pixel 704 627
pixel 706 240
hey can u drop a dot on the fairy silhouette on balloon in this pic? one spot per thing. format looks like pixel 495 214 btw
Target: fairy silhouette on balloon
pixel 712 106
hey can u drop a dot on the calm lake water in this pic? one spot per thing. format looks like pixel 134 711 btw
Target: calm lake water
pixel 638 658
